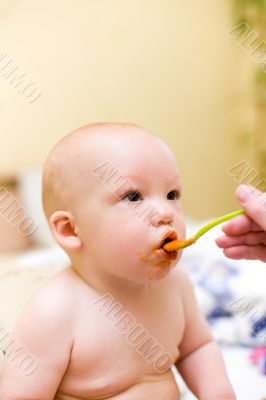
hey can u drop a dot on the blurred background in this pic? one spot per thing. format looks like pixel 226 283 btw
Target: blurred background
pixel 170 67
pixel 191 72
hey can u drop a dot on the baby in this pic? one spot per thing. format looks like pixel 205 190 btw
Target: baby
pixel 115 323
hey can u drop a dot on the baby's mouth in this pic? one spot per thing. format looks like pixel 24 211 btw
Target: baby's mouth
pixel 169 236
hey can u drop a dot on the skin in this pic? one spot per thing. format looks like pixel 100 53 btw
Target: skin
pixel 245 236
pixel 80 351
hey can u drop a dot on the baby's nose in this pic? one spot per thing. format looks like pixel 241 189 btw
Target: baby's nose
pixel 162 214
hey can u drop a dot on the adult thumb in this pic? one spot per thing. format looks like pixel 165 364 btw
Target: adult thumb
pixel 254 203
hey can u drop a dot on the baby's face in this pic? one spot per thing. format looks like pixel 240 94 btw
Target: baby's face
pixel 127 199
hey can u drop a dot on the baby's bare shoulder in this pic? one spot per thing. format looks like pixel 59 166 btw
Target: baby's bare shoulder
pixel 54 294
pixel 45 331
pixel 50 306
pixel 54 303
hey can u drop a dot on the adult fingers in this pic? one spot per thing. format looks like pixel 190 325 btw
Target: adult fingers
pixel 246 252
pixel 254 203
pixel 239 225
pixel 250 239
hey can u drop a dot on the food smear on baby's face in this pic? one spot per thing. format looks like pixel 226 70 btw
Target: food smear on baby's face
pixel 154 263
pixel 156 258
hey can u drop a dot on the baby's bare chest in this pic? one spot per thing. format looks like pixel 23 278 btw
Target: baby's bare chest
pixel 117 346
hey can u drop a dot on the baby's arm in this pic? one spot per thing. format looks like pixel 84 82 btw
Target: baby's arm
pixel 43 332
pixel 200 362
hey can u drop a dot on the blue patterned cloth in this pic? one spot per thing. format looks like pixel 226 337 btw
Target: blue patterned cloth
pixel 231 293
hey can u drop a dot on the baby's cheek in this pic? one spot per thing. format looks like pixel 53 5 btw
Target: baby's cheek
pixel 122 233
pixel 133 237
pixel 180 226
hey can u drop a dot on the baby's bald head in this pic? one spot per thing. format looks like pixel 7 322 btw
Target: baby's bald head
pixel 66 168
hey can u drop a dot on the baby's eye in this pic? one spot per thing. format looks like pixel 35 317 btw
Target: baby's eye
pixel 133 196
pixel 173 195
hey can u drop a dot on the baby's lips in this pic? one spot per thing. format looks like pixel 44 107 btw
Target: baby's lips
pixel 165 255
pixel 168 236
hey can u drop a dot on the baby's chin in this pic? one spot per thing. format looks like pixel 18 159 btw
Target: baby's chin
pixel 145 274
pixel 160 270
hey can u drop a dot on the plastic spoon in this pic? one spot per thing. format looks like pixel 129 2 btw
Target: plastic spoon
pixel 180 244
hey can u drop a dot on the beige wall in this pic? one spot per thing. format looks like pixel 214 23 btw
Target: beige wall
pixel 166 65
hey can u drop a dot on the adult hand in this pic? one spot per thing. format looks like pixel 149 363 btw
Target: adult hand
pixel 245 235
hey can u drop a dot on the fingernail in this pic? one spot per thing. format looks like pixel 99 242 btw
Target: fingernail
pixel 244 192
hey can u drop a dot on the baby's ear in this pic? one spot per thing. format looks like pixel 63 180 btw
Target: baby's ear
pixel 65 230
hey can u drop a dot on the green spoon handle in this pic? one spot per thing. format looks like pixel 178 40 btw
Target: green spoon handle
pixel 217 222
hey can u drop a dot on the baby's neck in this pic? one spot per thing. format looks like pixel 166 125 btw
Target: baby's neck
pixel 119 288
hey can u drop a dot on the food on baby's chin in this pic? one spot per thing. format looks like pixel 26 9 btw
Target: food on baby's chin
pixel 153 259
